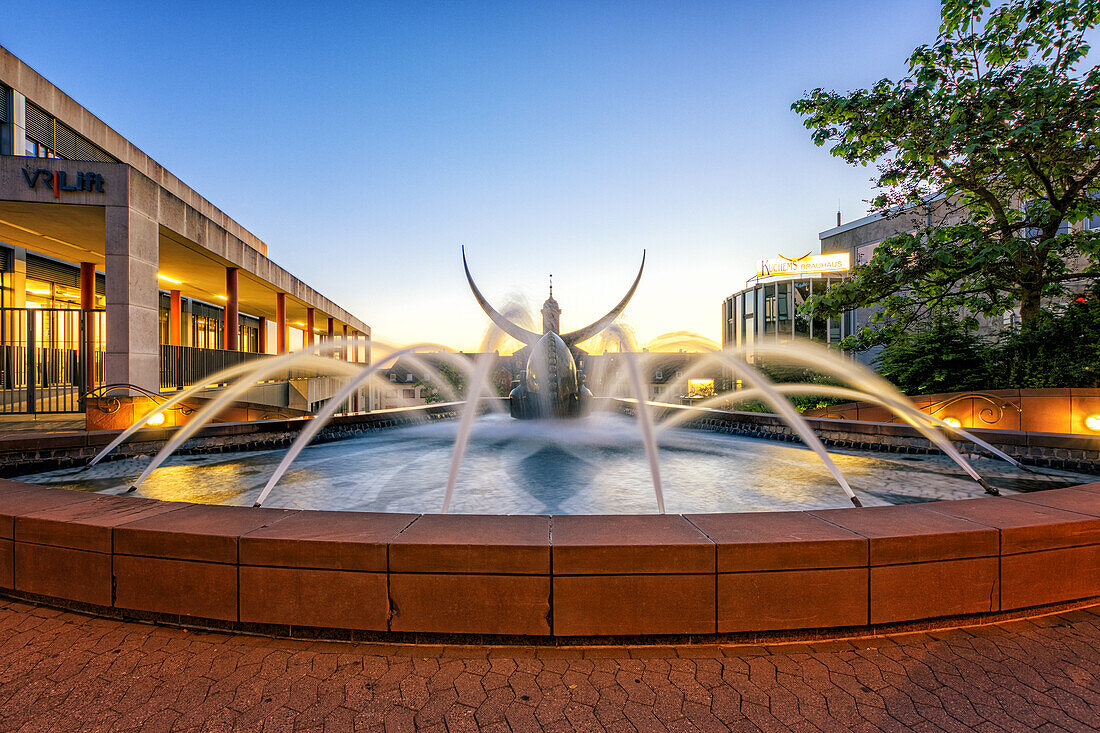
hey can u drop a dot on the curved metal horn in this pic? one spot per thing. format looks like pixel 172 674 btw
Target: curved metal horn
pixel 583 334
pixel 517 332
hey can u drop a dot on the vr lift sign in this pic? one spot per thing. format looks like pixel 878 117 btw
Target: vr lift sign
pixel 58 181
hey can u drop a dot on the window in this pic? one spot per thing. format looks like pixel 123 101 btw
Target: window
pixel 393 377
pixel 658 374
pixel 33 149
pixel 408 377
pixel 409 394
pixel 865 252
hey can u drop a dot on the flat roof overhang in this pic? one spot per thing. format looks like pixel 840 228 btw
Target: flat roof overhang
pixel 75 233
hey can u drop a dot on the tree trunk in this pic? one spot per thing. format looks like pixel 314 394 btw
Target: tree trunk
pixel 1030 302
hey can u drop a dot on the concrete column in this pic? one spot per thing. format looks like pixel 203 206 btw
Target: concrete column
pixel 309 327
pixel 87 303
pixel 332 330
pixel 262 342
pixel 232 311
pixel 132 252
pixel 175 319
pixel 280 323
pixel 18 279
pixel 347 349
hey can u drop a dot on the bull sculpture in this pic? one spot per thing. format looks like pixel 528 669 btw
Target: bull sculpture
pixel 553 383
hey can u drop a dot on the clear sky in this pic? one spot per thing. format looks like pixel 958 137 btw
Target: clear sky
pixel 365 142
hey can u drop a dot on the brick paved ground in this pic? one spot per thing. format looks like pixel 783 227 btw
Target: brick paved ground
pixel 62 671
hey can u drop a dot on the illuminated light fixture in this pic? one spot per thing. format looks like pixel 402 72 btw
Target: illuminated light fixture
pixel 953 422
pixel 299 323
pixel 155 420
pixel 221 297
pixel 1092 422
pixel 67 244
pixel 37 291
pixel 22 229
pixel 162 276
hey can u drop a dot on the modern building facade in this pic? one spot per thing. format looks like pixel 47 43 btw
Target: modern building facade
pixel 766 310
pixel 116 270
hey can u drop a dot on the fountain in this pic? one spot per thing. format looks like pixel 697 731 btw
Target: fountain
pixel 492 525
pixel 551 386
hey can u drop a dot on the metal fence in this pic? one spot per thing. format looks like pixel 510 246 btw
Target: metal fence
pixel 49 358
pixel 186 366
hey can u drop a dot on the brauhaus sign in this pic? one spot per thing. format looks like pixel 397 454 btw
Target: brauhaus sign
pixel 804 265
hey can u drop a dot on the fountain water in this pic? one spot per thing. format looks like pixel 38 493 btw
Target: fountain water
pixel 626 381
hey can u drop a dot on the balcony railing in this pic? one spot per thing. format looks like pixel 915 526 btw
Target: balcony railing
pixel 186 366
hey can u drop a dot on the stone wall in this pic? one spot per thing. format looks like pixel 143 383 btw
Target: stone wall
pixel 549 579
pixel 1051 450
pixel 30 453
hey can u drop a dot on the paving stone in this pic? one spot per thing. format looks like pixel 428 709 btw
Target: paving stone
pixel 63 671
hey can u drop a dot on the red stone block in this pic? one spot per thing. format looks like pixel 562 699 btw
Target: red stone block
pixel 931 589
pixel 200 589
pixel 7 564
pixel 1026 526
pixel 194 532
pixel 9 487
pixel 324 598
pixel 792 599
pixel 1084 403
pixel 780 541
pixel 1053 576
pixel 1046 411
pixel 589 605
pixel 316 539
pixel 1071 500
pixel 30 499
pixel 59 572
pixel 470 543
pixel 621 544
pixel 86 525
pixel 908 533
pixel 470 603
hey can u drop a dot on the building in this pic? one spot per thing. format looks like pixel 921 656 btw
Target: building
pixel 114 271
pixel 766 310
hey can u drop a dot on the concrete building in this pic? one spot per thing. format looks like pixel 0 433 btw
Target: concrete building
pixel 123 273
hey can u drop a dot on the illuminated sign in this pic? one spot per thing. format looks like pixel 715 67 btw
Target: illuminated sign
pixel 59 181
pixel 805 265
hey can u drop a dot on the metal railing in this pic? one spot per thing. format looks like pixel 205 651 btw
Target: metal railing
pixel 186 366
pixel 49 358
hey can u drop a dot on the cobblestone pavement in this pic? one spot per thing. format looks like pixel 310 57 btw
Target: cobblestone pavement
pixel 63 671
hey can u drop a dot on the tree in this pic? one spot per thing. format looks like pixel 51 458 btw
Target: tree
pixel 942 354
pixel 990 146
pixel 456 383
pixel 1061 349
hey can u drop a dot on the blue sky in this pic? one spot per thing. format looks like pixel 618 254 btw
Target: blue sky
pixel 365 142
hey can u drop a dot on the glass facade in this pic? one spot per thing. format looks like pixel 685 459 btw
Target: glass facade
pixel 769 312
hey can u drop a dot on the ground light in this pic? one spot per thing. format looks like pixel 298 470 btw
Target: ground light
pixel 1092 422
pixel 953 422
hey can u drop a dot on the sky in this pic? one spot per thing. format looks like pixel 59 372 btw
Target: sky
pixel 366 142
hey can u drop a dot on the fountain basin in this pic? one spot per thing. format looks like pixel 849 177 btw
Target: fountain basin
pixel 358 574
